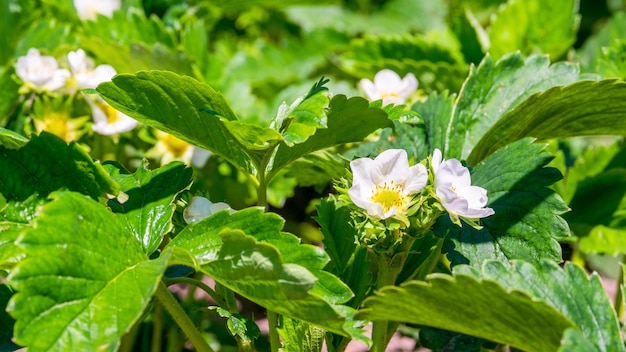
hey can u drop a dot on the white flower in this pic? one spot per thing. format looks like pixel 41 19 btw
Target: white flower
pixel 106 120
pixel 169 148
pixel 389 87
pixel 384 186
pixel 453 186
pixel 200 208
pixel 40 72
pixel 85 74
pixel 89 9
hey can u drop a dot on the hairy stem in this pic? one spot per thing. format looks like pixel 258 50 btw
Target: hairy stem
pixel 182 319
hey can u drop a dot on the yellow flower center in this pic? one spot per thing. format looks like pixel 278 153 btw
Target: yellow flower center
pixel 108 110
pixel 177 147
pixel 389 196
pixel 389 95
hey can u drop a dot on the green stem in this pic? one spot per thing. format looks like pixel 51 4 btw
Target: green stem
pixel 619 302
pixel 157 330
pixel 388 270
pixel 272 321
pixel 182 319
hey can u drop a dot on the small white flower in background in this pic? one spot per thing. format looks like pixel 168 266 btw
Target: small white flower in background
pixel 107 120
pixel 41 73
pixel 453 186
pixel 169 148
pixel 84 72
pixel 389 87
pixel 384 186
pixel 89 9
pixel 200 208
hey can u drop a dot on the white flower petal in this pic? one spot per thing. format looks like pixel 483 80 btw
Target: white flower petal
pixel 199 157
pixel 387 78
pixel 454 189
pixel 417 179
pixel 383 186
pixel 89 9
pixel 369 89
pixel 408 85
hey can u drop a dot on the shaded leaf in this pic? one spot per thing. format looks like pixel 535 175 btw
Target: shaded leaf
pixel 527 223
pixel 6 321
pixel 581 109
pixel 45 164
pixel 82 282
pixel 147 213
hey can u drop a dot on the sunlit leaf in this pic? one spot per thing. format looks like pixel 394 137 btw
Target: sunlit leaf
pixel 85 280
pixel 182 106
pixel 580 109
pixel 484 309
pixel 567 289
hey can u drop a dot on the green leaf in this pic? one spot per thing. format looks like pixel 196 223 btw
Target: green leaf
pixel 317 169
pixel 299 121
pixel 527 223
pixel 148 211
pixel 408 136
pixel 574 341
pixel 256 271
pixel 182 106
pixel 11 140
pixel 581 109
pixel 253 137
pixel 300 336
pixel 485 309
pixel 45 164
pixel 534 26
pixel 10 254
pixel 394 17
pixel 567 289
pixel 347 260
pixel 604 240
pixel 45 34
pixel 591 52
pixel 435 65
pixel 245 329
pixel 10 99
pixel 83 275
pixel 138 56
pixel 493 89
pixel 260 233
pixel 436 111
pixel 349 120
